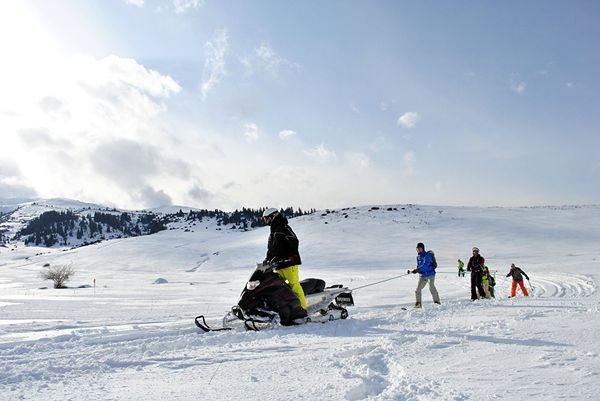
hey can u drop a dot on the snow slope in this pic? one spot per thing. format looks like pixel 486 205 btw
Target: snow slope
pixel 125 338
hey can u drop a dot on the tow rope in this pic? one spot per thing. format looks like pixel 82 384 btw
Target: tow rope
pixel 379 282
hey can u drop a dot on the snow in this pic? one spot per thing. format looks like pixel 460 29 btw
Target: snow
pixel 125 338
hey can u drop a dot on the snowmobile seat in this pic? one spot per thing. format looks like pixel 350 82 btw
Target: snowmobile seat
pixel 312 285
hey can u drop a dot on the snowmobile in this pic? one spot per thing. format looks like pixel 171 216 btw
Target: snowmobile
pixel 268 301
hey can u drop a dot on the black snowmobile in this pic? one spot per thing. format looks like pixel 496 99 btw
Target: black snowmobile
pixel 267 300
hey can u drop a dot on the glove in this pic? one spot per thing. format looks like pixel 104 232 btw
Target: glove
pixel 415 271
pixel 276 262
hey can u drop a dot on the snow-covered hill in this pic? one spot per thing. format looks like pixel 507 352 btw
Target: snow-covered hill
pixel 67 223
pixel 64 223
pixel 126 338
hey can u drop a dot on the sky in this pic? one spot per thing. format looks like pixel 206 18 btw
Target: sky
pixel 229 104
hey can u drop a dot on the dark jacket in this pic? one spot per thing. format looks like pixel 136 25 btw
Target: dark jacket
pixel 283 243
pixel 476 263
pixel 517 274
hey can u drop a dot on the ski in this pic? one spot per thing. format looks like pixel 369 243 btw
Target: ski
pixel 201 323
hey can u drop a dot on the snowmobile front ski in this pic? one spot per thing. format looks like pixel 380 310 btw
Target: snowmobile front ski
pixel 205 327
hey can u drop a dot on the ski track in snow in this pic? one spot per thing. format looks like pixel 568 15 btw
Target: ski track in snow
pixel 563 285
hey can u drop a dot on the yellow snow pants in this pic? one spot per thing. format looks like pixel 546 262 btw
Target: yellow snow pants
pixel 291 275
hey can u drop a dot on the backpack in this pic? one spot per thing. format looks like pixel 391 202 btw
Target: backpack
pixel 433 261
pixel 492 281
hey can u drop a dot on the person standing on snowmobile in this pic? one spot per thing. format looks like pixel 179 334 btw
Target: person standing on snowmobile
pixel 517 276
pixel 426 266
pixel 475 266
pixel 282 251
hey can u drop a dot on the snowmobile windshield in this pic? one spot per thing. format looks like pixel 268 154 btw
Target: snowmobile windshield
pixel 251 285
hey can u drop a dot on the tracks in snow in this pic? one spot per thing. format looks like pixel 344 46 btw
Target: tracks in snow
pixel 381 365
pixel 563 285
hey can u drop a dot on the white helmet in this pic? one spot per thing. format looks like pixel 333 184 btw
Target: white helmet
pixel 270 212
pixel 475 249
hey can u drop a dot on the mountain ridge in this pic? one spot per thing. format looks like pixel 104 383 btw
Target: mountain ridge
pixel 72 223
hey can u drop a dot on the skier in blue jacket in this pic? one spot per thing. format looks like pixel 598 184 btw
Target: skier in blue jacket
pixel 426 265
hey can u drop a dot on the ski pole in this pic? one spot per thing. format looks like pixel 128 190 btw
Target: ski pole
pixel 379 282
pixel 530 286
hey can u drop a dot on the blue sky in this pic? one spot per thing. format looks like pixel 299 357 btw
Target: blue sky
pixel 223 104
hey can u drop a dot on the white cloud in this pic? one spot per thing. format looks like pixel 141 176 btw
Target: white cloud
pixel 181 6
pixel 359 159
pixel 409 119
pixel 115 71
pixel 287 134
pixel 10 187
pixel 321 153
pixel 137 3
pixel 264 58
pixel 518 87
pixel 72 120
pixel 408 163
pixel 152 197
pixel 214 65
pixel 251 132
pixel 199 194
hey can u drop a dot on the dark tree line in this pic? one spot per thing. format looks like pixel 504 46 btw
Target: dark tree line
pixel 52 227
pixel 49 227
pixel 57 228
pixel 243 219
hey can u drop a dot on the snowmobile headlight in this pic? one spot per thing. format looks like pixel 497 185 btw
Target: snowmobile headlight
pixel 252 285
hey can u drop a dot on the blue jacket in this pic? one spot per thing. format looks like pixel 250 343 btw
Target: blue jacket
pixel 425 264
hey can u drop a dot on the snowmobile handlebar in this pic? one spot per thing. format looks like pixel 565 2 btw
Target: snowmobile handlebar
pixel 264 266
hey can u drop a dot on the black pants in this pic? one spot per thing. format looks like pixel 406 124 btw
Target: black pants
pixel 476 284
